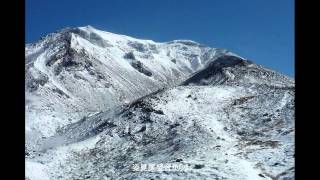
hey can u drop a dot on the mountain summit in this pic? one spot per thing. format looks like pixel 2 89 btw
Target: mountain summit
pixel 80 70
pixel 102 105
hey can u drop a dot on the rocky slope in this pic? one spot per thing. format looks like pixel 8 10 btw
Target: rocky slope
pixel 77 71
pixel 101 105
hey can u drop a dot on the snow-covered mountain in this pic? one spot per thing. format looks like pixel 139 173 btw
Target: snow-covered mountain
pixel 83 70
pixel 98 103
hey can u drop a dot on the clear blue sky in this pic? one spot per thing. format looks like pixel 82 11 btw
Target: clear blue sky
pixel 259 30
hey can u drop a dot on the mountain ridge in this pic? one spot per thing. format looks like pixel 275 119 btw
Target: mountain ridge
pixel 64 52
pixel 115 101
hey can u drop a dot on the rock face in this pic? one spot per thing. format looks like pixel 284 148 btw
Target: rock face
pixel 101 105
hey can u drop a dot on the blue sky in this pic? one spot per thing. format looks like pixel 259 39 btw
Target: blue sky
pixel 259 30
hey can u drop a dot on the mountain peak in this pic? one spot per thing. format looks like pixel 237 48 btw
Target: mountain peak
pixel 115 68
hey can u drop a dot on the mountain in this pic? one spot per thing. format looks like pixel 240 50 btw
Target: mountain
pixel 100 104
pixel 83 70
